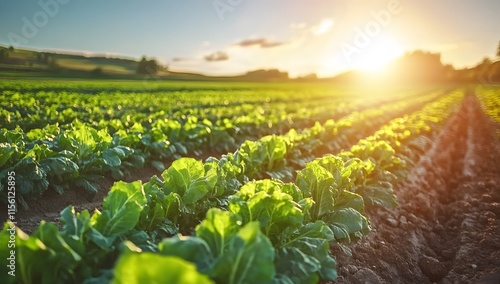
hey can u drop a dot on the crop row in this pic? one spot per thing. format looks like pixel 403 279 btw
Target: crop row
pixel 77 155
pixel 280 156
pixel 30 111
pixel 490 101
pixel 29 107
pixel 233 230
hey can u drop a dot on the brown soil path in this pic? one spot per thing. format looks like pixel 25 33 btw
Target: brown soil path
pixel 447 226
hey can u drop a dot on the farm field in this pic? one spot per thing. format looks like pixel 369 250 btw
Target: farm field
pixel 249 182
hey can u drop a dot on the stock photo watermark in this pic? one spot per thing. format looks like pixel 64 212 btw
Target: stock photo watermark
pixel 11 215
pixel 32 25
pixel 223 6
pixel 363 36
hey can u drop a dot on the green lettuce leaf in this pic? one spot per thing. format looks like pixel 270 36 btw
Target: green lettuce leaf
pixel 121 209
pixel 247 258
pixel 264 201
pixel 217 229
pixel 139 268
pixel 192 249
pixel 186 177
pixel 305 256
pixel 316 182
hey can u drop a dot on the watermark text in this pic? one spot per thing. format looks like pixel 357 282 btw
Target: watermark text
pixel 11 213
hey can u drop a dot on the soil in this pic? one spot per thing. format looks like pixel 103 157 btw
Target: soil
pixel 447 226
pixel 48 207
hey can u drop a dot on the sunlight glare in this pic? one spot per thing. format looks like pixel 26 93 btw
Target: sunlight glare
pixel 378 54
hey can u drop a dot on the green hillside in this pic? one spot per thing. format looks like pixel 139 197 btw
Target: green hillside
pixel 28 60
pixel 30 63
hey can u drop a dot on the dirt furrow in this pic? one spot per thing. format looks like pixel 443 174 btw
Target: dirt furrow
pixel 447 228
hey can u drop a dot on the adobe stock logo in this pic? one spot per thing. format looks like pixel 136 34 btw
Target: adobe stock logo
pixel 39 19
pixel 224 6
pixel 372 29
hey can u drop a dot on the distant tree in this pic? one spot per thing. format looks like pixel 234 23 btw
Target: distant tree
pixel 53 65
pixel 419 66
pixel 498 49
pixel 485 63
pixel 11 48
pixel 42 58
pixel 97 71
pixel 142 64
pixel 148 66
pixel 449 73
pixel 487 71
pixel 4 55
pixel 266 75
pixel 308 77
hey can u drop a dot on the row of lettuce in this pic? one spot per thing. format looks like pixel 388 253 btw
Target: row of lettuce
pixel 206 222
pixel 34 104
pixel 281 156
pixel 118 111
pixel 489 96
pixel 77 155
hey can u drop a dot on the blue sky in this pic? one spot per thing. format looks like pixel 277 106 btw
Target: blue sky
pixel 222 37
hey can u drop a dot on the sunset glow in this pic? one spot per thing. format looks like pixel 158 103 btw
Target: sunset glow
pixel 233 37
pixel 376 56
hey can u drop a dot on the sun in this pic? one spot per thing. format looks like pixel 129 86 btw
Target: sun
pixel 375 57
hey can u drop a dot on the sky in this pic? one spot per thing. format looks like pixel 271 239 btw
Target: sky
pixel 225 37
